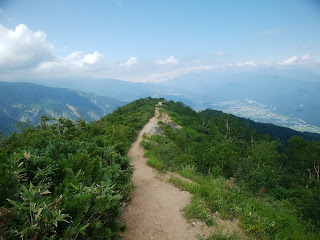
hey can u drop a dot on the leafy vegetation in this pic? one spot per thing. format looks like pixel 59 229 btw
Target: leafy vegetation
pixel 274 190
pixel 67 180
pixel 282 134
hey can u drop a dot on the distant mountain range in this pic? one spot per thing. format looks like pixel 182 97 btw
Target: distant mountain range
pixel 289 98
pixel 285 100
pixel 27 102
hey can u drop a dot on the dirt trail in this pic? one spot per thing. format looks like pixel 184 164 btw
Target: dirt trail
pixel 155 211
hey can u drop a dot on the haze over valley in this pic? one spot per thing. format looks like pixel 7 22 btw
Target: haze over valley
pixel 289 98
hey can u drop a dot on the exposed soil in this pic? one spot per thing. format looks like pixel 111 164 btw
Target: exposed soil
pixel 156 209
pixel 164 117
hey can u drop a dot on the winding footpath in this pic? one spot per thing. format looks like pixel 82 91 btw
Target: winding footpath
pixel 156 209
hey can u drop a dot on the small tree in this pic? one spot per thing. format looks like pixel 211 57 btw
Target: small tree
pixel 44 121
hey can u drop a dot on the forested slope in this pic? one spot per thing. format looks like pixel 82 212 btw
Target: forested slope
pixel 27 102
pixel 242 174
pixel 282 134
pixel 67 180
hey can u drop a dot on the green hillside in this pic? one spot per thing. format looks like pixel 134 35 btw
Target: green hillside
pixel 68 180
pixel 282 134
pixel 240 174
pixel 26 102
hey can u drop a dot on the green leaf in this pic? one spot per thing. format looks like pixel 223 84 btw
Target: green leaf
pixel 75 187
pixel 45 192
pixel 84 227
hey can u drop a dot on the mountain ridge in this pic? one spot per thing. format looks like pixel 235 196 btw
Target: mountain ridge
pixel 289 98
pixel 27 102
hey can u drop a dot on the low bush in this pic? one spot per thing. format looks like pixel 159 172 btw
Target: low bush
pixel 68 180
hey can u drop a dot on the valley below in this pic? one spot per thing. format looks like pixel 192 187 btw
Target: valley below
pixel 260 113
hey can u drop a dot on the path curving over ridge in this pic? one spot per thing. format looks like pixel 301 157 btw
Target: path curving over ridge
pixel 155 211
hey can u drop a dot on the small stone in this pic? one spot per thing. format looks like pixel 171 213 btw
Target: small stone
pixel 156 223
pixel 151 238
pixel 194 223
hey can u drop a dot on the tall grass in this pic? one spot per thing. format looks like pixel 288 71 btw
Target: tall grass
pixel 260 218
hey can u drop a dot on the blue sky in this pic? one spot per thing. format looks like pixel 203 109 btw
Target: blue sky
pixel 155 40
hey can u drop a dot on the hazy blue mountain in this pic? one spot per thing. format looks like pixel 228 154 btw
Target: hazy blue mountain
pixel 7 124
pixel 117 89
pixel 27 102
pixel 284 99
pixel 289 98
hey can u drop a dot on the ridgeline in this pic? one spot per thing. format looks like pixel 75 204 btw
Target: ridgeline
pixel 68 180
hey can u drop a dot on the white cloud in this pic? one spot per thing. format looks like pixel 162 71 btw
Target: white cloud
pixel 74 61
pixel 131 61
pixel 220 53
pixel 246 64
pixel 27 50
pixel 305 57
pixel 26 53
pixel 23 48
pixel 92 58
pixel 289 60
pixel 170 60
pixel 74 57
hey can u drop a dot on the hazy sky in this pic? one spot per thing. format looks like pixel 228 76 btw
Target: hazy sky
pixel 155 40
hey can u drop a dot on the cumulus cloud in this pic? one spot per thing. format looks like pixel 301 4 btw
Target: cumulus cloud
pixel 74 61
pixel 24 52
pixel 92 58
pixel 306 57
pixel 170 60
pixel 220 53
pixel 23 48
pixel 131 61
pixel 289 60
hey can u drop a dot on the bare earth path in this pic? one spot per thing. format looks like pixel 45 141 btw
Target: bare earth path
pixel 155 211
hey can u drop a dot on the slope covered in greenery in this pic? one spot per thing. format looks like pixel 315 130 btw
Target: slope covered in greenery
pixel 68 180
pixel 282 134
pixel 239 173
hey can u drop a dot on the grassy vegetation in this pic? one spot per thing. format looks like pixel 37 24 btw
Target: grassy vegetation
pixel 155 163
pixel 260 218
pixel 235 176
pixel 68 180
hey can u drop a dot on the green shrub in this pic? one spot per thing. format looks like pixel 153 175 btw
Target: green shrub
pixel 67 180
